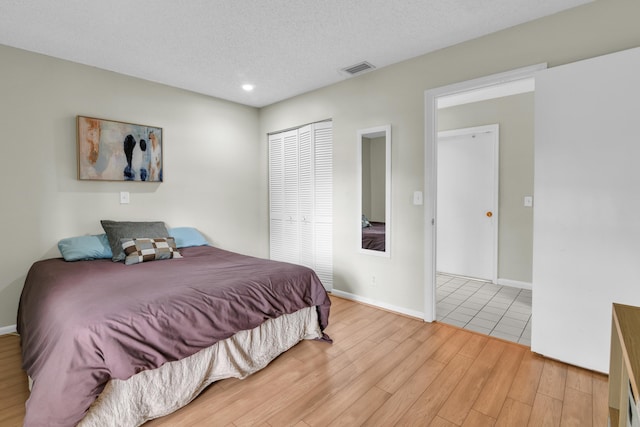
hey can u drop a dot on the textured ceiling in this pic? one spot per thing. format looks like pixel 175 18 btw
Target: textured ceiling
pixel 283 47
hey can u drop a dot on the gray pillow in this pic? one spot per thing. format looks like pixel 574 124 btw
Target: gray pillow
pixel 117 230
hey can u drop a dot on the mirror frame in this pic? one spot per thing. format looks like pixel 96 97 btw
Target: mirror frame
pixel 376 131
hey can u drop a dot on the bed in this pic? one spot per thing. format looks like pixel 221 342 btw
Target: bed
pixel 374 236
pixel 101 339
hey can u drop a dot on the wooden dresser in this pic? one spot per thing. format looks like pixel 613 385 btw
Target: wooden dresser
pixel 624 368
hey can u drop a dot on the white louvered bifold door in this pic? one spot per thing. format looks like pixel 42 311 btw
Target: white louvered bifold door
pixel 276 196
pixel 305 195
pixel 301 198
pixel 291 237
pixel 323 202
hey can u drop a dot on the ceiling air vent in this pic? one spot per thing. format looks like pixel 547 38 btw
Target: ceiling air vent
pixel 358 68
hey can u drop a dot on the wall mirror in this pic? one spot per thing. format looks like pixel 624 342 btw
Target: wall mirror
pixel 374 174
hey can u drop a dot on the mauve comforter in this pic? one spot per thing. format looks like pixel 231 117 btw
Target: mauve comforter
pixel 374 237
pixel 83 323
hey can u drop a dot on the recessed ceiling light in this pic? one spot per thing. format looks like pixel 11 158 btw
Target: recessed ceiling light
pixel 247 87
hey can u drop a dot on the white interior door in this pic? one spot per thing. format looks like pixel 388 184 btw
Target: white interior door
pixel 586 237
pixel 466 203
pixel 301 198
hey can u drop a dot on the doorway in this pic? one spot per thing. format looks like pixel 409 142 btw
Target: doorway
pixel 432 100
pixel 467 290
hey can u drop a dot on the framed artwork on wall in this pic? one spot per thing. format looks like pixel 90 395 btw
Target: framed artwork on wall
pixel 118 151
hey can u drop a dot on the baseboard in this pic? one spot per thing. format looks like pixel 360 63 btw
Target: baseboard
pixel 515 284
pixel 5 330
pixel 379 304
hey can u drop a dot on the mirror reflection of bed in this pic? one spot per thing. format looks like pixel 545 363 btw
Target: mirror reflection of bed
pixel 373 236
pixel 374 163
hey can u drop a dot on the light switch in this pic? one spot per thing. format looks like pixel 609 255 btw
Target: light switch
pixel 124 197
pixel 417 198
pixel 528 201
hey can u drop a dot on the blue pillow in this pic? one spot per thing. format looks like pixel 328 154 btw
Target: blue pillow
pixel 187 236
pixel 85 247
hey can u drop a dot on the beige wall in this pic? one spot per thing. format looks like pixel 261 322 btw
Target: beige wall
pixel 211 163
pixel 514 114
pixel 366 177
pixel 395 95
pixel 376 175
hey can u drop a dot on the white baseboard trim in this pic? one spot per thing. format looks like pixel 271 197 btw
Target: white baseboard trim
pixel 515 284
pixel 5 330
pixel 369 301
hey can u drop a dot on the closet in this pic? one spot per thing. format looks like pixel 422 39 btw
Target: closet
pixel 301 198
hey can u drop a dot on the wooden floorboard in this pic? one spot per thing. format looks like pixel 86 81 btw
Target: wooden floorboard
pixel 383 369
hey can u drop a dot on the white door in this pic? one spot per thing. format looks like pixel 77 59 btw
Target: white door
pixel 467 201
pixel 586 231
pixel 300 198
pixel 323 201
pixel 305 196
pixel 277 242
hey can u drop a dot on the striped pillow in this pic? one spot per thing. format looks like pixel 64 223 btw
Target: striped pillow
pixel 145 249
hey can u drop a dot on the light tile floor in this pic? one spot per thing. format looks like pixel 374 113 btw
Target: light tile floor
pixel 499 311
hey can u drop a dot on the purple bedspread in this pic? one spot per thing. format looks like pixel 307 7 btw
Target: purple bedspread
pixel 83 323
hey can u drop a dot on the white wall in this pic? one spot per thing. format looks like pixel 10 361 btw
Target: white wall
pixel 212 160
pixel 587 220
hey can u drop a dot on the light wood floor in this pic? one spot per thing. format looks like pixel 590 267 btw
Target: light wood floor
pixel 383 369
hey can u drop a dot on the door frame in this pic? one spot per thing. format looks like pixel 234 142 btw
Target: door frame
pixel 494 130
pixel 430 163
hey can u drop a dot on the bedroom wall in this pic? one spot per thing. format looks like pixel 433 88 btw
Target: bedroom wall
pixel 366 178
pixel 211 165
pixel 514 114
pixel 395 95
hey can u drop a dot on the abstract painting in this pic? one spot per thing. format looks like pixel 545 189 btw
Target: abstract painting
pixel 118 151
